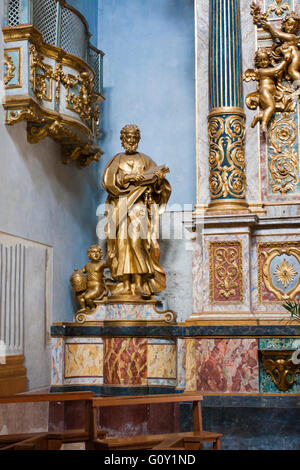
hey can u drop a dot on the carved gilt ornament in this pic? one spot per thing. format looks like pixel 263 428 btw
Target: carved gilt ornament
pixel 280 366
pixel 226 276
pixel 226 156
pixel 278 7
pixel 10 69
pixel 283 157
pixel 280 272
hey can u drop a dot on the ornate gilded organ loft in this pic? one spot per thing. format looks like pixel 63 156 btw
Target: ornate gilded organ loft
pixel 130 332
pixel 60 92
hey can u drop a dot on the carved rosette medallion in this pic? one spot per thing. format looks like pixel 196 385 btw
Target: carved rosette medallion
pixel 226 156
pixel 278 272
pixel 225 271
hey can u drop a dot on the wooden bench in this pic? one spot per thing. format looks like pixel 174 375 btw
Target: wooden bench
pixel 188 440
pixel 48 440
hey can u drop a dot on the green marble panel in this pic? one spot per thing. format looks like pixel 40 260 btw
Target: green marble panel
pixel 279 343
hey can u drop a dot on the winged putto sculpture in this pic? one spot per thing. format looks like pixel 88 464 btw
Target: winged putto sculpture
pixel 277 68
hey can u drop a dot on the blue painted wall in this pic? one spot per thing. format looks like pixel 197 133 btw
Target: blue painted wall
pixel 149 73
pixel 89 9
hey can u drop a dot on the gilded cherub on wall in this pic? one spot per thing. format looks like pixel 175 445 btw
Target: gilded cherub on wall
pixel 275 66
pixel 289 40
pixel 89 283
pixel 269 95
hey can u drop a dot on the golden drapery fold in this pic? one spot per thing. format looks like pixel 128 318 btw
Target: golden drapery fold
pixel 133 212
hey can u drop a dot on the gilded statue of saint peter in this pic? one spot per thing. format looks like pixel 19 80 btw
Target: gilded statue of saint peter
pixel 137 194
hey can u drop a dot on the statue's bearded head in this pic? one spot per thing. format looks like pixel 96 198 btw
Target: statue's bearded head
pixel 130 138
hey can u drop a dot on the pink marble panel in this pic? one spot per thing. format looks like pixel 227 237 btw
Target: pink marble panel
pixel 125 361
pixel 227 365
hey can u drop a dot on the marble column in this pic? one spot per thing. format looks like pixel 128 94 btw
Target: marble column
pixel 226 119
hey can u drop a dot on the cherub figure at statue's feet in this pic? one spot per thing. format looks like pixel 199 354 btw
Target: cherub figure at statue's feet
pixel 89 283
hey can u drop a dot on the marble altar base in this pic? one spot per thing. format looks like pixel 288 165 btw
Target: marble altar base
pixel 128 313
pixel 144 359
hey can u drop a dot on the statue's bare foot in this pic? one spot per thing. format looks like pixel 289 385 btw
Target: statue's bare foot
pixel 126 290
pixel 140 291
pixel 116 290
pixel 121 289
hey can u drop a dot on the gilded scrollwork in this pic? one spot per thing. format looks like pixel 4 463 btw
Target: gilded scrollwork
pixel 40 75
pixel 283 156
pixel 82 155
pixel 226 156
pixel 277 68
pixel 17 115
pixel 169 316
pixel 226 277
pixel 83 102
pixel 80 94
pixel 10 69
pixel 55 129
pixel 72 149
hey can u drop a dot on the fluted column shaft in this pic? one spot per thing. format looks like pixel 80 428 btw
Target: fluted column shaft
pixel 226 119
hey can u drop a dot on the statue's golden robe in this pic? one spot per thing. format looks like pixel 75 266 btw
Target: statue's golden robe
pixel 133 212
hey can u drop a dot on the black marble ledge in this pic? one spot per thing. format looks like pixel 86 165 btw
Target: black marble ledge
pixel 279 400
pixel 173 331
pixel 108 391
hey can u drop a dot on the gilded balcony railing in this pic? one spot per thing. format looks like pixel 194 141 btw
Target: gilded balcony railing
pixel 60 93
